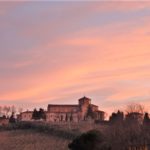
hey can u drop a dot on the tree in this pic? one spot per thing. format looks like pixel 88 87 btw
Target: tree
pixel 92 140
pixel 117 117
pixel 71 117
pixel 20 110
pixel 13 109
pixel 146 119
pixel 4 117
pixel 42 114
pixel 66 119
pixel 35 114
pixel 1 110
pixel 132 108
pixel 6 110
pixel 12 118
pixel 135 113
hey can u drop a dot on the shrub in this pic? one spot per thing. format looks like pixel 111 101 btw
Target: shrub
pixel 92 140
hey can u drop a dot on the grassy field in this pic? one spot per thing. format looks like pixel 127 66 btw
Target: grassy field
pixel 41 136
pixel 30 140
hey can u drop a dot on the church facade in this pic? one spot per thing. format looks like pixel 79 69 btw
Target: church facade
pixel 70 113
pixel 75 113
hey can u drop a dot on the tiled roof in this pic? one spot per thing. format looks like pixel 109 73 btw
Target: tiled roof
pixel 84 98
pixel 94 105
pixel 100 111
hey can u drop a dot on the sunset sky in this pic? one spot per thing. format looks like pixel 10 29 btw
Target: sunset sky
pixel 57 52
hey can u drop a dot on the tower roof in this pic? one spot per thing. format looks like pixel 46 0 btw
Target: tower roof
pixel 84 98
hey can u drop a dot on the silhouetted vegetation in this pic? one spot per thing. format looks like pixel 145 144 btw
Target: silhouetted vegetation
pixel 37 115
pixel 123 132
pixel 116 117
pixel 12 119
pixel 146 119
pixel 8 110
pixel 42 127
pixel 92 140
pixel 117 136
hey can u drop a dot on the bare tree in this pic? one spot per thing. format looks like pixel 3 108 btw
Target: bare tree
pixel 13 109
pixel 20 110
pixel 135 108
pixel 6 110
pixel 9 110
pixel 135 113
pixel 1 110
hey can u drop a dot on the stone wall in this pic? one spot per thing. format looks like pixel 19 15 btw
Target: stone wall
pixel 63 108
pixel 61 117
pixel 84 104
pixel 26 116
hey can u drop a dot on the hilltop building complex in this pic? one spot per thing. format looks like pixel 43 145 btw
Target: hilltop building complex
pixel 64 113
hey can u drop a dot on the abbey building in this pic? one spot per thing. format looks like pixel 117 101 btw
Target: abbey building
pixel 64 113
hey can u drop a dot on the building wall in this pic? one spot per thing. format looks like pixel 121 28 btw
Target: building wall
pixel 75 113
pixel 84 104
pixel 4 122
pixel 94 107
pixel 63 108
pixel 61 117
pixel 26 116
pixel 100 115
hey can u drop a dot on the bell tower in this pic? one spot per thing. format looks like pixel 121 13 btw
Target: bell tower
pixel 84 103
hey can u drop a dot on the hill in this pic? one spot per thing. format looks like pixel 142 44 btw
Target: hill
pixel 29 140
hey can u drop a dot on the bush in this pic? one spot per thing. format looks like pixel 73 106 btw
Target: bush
pixel 92 140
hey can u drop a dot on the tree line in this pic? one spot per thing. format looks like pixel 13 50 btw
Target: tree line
pixel 133 112
pixel 39 114
pixel 128 130
pixel 7 111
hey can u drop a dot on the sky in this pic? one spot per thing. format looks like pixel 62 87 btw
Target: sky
pixel 58 52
